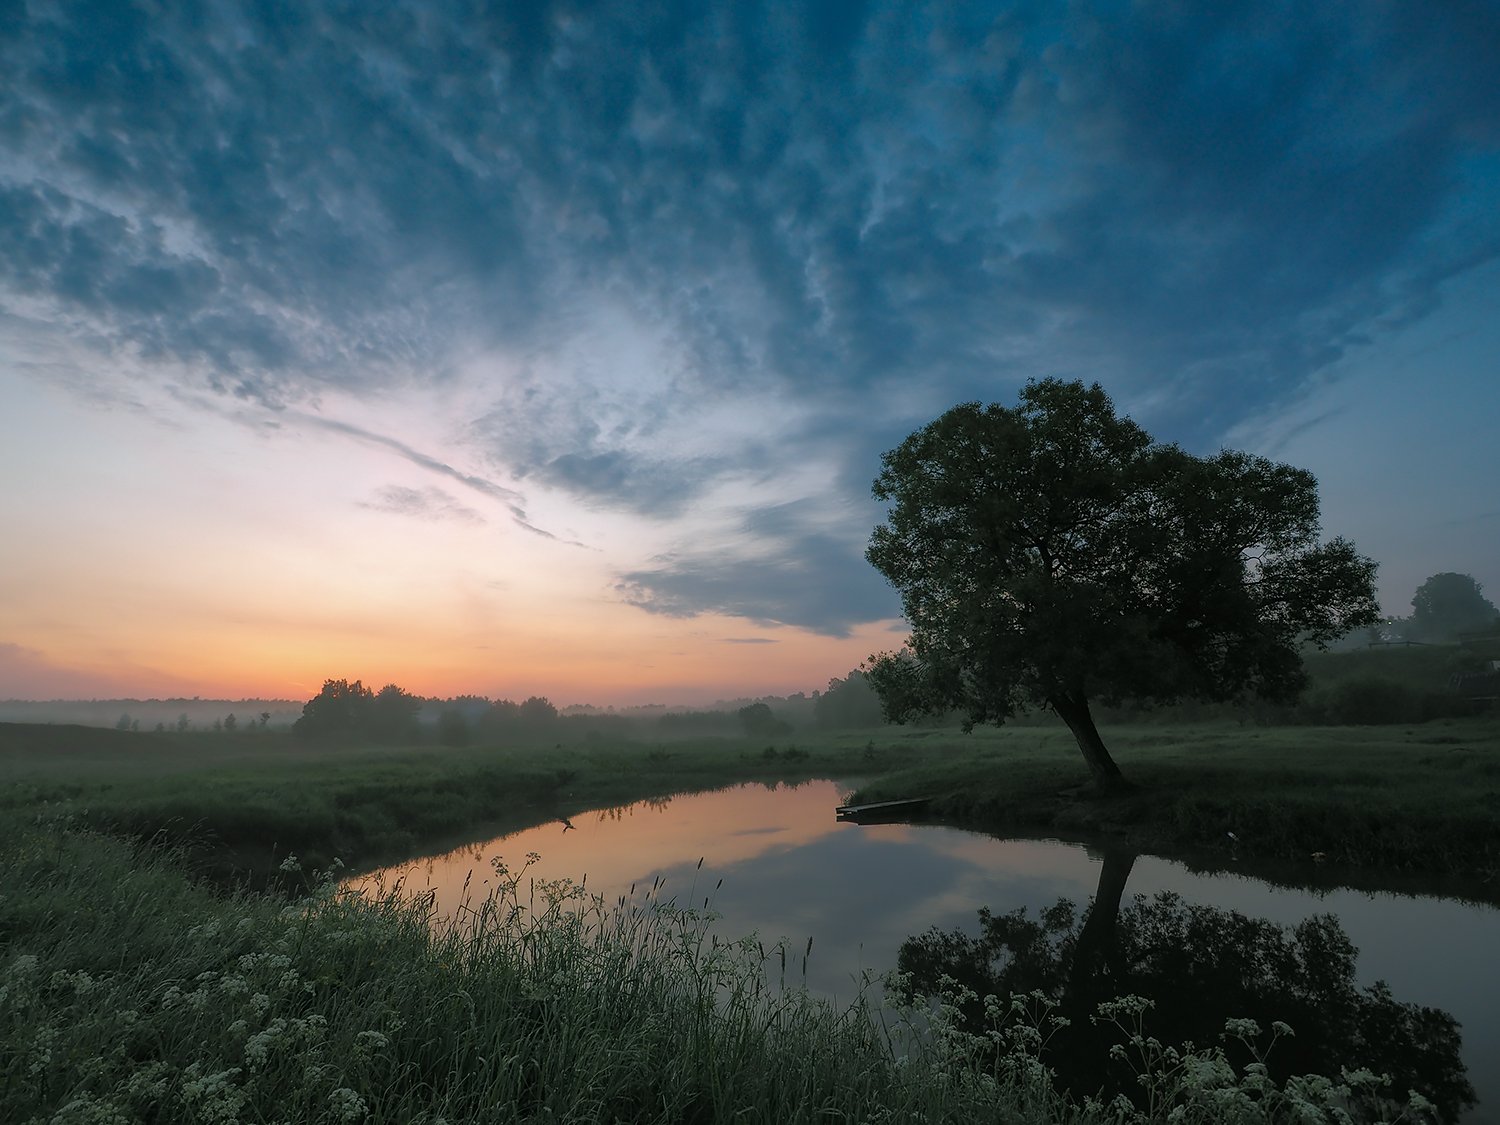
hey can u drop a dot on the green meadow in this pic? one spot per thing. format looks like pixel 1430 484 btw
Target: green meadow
pixel 176 948
pixel 1422 800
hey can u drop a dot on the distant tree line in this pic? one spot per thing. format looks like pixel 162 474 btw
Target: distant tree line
pixel 1445 608
pixel 347 712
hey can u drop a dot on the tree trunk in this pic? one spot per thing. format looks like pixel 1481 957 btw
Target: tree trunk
pixel 1074 710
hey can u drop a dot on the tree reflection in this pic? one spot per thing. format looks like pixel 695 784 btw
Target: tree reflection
pixel 1200 965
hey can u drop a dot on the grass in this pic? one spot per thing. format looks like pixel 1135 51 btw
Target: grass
pixel 1423 799
pixel 131 994
pixel 130 991
pixel 242 804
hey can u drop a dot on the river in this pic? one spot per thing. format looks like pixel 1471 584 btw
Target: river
pixel 865 893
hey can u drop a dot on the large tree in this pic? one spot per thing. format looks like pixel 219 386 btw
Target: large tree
pixel 1052 554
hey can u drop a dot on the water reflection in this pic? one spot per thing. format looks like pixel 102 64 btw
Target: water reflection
pixel 790 869
pixel 1200 965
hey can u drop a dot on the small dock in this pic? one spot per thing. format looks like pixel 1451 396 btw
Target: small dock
pixel 881 810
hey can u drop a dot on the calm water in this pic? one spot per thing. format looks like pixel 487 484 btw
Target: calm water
pixel 789 869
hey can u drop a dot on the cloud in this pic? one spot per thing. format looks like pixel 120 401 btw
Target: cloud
pixel 750 640
pixel 785 570
pixel 867 211
pixel 510 498
pixel 422 503
pixel 1177 190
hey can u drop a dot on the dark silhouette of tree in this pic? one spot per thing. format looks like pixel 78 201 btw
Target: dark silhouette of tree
pixel 1052 554
pixel 1448 604
pixel 850 703
pixel 393 715
pixel 337 712
pixel 759 721
pixel 230 722
pixel 1200 966
pixel 344 711
pixel 533 718
pixel 503 716
pixel 537 712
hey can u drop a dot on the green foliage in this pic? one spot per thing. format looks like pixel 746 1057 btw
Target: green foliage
pixel 1052 553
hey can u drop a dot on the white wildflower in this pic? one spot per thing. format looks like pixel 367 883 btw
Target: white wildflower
pixel 368 1042
pixel 348 1105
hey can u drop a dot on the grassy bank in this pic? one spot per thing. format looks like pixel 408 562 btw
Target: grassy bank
pixel 239 806
pixel 1421 799
pixel 129 993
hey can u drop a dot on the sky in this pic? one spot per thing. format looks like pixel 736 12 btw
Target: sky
pixel 551 348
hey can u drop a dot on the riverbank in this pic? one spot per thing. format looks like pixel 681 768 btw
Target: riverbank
pixel 131 993
pixel 237 807
pixel 131 990
pixel 1422 800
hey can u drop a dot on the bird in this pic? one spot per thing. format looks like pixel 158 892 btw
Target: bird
pixel 566 823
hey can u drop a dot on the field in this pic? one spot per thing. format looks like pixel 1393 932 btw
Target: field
pixel 1421 799
pixel 146 975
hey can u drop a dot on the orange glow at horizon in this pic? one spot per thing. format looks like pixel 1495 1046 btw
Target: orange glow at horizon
pixel 272 567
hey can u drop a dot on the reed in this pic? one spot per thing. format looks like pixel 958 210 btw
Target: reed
pixel 129 993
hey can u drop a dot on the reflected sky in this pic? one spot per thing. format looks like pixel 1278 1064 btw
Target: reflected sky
pixel 791 870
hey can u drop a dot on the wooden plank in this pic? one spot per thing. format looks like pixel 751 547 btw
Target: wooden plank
pixel 880 808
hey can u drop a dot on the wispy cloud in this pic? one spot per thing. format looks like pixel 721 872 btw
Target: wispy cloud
pixel 867 211
pixel 422 503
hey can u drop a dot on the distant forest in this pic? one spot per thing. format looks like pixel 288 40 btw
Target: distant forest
pixel 344 708
pixel 1382 682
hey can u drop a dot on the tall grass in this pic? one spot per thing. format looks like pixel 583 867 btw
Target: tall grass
pixel 129 994
pixel 1422 799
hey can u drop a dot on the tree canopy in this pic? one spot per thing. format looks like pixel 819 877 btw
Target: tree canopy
pixel 344 711
pixel 1448 604
pixel 1052 553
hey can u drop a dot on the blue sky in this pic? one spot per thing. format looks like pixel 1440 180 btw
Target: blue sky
pixel 504 346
